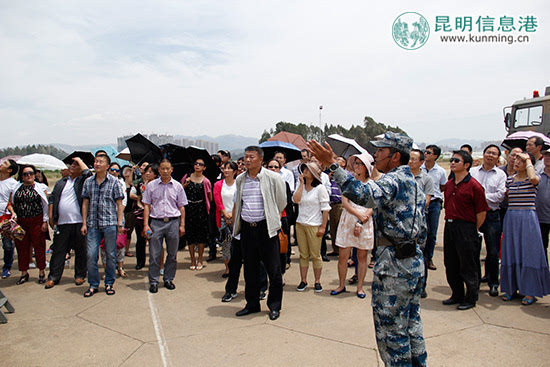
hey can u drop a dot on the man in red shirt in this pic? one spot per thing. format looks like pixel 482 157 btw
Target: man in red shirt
pixel 465 210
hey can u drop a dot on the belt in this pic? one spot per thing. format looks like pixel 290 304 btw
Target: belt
pixel 168 219
pixel 195 201
pixel 254 224
pixel 458 221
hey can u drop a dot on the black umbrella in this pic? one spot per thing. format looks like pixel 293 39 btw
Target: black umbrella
pixel 212 170
pixel 87 158
pixel 175 153
pixel 143 150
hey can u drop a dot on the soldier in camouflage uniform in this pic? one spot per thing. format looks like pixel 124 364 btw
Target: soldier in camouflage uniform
pixel 397 283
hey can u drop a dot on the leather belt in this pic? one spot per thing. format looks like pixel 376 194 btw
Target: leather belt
pixel 166 219
pixel 254 224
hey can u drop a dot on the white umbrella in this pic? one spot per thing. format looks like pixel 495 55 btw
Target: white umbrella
pixel 344 147
pixel 43 161
pixel 124 154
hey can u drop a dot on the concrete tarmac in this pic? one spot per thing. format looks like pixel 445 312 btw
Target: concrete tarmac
pixel 190 326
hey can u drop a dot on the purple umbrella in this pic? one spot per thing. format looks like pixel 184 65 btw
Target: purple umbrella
pixel 519 139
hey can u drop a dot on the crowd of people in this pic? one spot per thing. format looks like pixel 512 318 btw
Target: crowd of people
pixel 257 208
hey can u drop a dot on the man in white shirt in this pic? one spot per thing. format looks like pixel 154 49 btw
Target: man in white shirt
pixel 285 173
pixel 7 183
pixel 493 181
pixel 65 203
pixel 439 176
pixel 534 146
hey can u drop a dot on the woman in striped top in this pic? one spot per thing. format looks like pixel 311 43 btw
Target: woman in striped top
pixel 524 267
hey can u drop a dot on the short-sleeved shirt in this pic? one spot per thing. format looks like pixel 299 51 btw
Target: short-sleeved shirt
pixel 311 205
pixel 425 182
pixel 102 198
pixel 494 184
pixel 165 199
pixel 438 174
pixel 463 201
pixel 69 209
pixel 543 198
pixel 6 187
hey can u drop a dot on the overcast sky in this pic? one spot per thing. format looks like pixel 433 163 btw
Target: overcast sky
pixel 85 72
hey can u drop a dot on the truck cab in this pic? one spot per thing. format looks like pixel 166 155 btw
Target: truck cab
pixel 529 114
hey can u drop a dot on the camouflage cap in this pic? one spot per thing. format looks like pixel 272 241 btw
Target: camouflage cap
pixel 401 142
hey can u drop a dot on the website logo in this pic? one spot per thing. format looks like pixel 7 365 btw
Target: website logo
pixel 410 31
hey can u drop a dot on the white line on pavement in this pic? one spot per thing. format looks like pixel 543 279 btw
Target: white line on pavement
pixel 163 347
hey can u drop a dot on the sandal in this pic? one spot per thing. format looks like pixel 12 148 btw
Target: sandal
pixel 109 290
pixel 371 264
pixel 122 273
pixel 129 254
pixel 42 278
pixel 200 267
pixel 193 267
pixel 90 292
pixel 527 302
pixel 353 279
pixel 22 279
pixel 508 297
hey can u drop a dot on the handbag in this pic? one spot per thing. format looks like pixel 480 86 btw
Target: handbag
pixel 283 240
pixel 9 227
pixel 405 248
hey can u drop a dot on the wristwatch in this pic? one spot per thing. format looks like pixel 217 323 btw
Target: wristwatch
pixel 333 167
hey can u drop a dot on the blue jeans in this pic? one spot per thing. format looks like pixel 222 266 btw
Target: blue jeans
pixel 7 245
pixel 93 238
pixel 432 220
pixel 491 230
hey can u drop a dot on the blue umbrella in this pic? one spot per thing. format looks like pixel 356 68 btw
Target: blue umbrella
pixel 291 151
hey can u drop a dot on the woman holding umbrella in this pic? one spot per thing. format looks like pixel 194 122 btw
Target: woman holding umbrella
pixel 29 200
pixel 199 195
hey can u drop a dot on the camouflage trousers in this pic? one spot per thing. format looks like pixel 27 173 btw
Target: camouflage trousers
pixel 396 309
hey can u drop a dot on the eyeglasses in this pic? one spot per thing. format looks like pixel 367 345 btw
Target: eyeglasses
pixel 491 153
pixel 199 164
pixel 274 167
pixel 115 170
pixel 359 163
pixel 455 160
pixel 28 173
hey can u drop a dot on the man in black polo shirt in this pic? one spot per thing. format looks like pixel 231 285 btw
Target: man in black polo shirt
pixel 465 210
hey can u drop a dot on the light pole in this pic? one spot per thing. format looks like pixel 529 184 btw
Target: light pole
pixel 320 110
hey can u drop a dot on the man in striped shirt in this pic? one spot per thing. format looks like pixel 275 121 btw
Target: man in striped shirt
pixel 260 198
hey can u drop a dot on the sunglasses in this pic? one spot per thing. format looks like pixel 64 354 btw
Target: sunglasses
pixel 272 166
pixel 455 160
pixel 199 164
pixel 115 170
pixel 427 152
pixel 28 173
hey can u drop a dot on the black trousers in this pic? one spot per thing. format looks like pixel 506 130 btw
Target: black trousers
pixel 69 236
pixel 140 244
pixel 545 231
pixel 235 265
pixel 258 247
pixel 461 258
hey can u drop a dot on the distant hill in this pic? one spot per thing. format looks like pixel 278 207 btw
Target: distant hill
pixel 452 144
